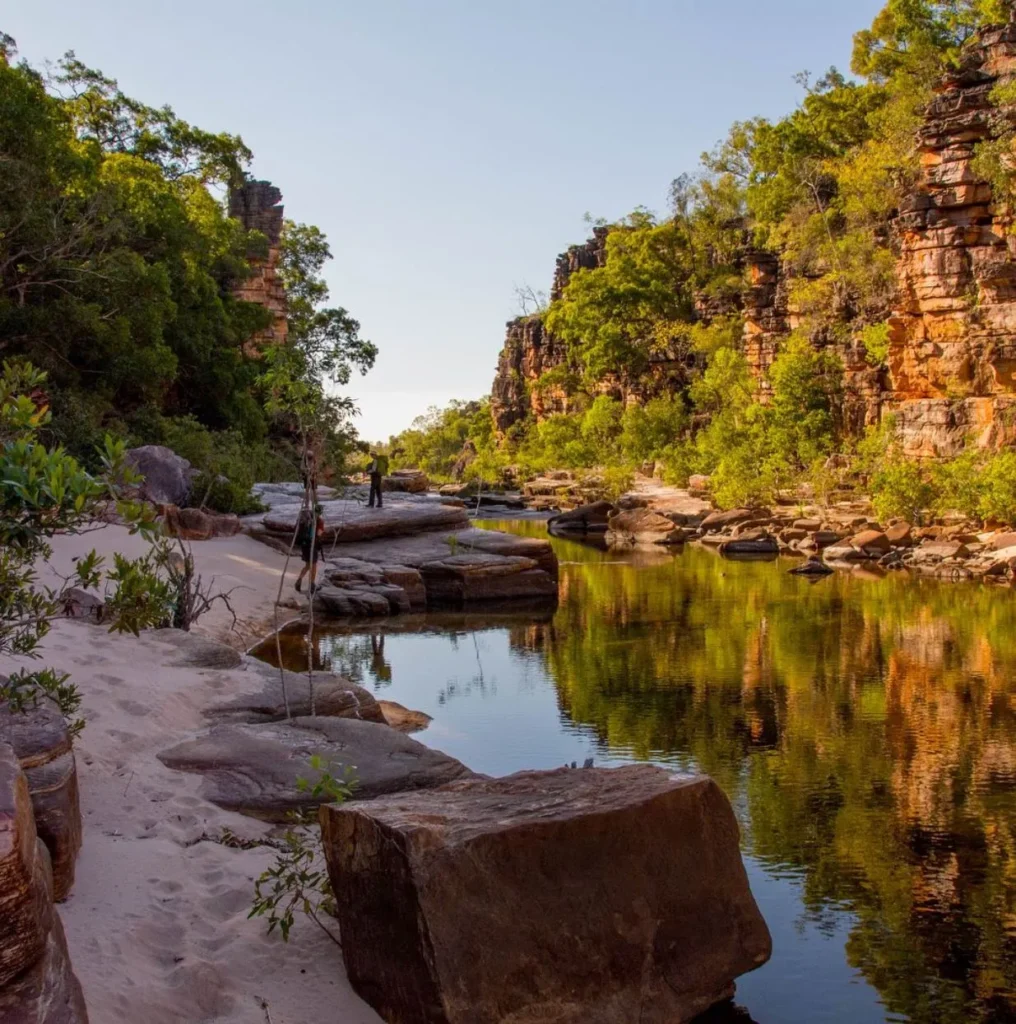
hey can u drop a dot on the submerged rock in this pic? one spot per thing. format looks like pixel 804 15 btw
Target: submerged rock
pixel 255 769
pixel 813 567
pixel 607 896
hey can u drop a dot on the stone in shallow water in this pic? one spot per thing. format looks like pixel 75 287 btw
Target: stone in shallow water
pixel 334 697
pixel 255 768
pixel 573 897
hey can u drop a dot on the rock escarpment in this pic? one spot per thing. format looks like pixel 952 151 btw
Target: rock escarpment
pixel 952 357
pixel 950 374
pixel 258 206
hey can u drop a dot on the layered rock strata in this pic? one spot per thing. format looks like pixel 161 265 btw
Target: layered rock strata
pixel 258 207
pixel 37 984
pixel 608 895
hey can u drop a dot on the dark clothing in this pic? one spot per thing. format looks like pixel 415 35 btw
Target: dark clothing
pixel 304 536
pixel 375 490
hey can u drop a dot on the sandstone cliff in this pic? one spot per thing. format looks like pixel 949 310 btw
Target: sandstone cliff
pixel 951 368
pixel 258 206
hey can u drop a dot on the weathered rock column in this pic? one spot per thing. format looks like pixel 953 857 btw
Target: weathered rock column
pixel 575 897
pixel 37 983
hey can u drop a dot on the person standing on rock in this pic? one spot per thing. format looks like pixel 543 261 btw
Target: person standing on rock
pixel 310 536
pixel 377 470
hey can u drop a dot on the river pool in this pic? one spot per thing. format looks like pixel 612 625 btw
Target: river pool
pixel 864 729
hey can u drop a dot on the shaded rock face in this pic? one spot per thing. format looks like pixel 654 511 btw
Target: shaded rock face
pixel 167 476
pixel 37 984
pixel 254 769
pixel 258 206
pixel 607 896
pixel 40 741
pixel 529 351
pixel 952 354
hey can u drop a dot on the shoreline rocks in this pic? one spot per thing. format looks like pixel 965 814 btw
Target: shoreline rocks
pixel 37 983
pixel 254 769
pixel 618 895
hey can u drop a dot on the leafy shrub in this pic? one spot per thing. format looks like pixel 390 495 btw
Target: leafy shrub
pixel 875 338
pixel 998 488
pixel 901 489
pixel 960 484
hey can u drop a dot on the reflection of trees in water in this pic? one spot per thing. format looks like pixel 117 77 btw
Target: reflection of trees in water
pixel 867 728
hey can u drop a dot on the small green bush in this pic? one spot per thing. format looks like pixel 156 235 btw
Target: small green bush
pixel 998 488
pixel 901 489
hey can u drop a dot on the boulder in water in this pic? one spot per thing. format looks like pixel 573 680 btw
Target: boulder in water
pixel 585 896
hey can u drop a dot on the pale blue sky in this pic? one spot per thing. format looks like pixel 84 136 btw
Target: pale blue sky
pixel 450 148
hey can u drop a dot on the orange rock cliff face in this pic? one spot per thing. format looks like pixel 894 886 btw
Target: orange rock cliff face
pixel 258 206
pixel 951 368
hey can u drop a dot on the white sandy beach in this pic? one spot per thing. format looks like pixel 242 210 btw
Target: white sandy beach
pixel 157 920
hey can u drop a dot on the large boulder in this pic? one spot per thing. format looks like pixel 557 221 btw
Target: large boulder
pixel 584 519
pixel 48 992
pixel 574 896
pixel 723 520
pixel 751 542
pixel 410 481
pixel 642 526
pixel 37 984
pixel 26 906
pixel 167 476
pixel 255 769
pixel 42 744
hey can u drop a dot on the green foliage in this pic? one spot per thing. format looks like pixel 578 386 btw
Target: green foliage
pixel 651 431
pixel 875 338
pixel 298 880
pixel 118 267
pixel 436 441
pixel 45 492
pixel 998 488
pixel 900 489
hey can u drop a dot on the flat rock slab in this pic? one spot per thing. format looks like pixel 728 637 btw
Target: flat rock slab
pixel 334 697
pixel 42 744
pixel 349 521
pixel 568 897
pixel 254 769
pixel 193 650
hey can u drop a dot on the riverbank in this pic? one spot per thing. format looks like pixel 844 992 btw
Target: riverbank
pixel 157 919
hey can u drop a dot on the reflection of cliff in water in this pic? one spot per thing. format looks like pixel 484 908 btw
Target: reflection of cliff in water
pixel 864 729
pixel 868 728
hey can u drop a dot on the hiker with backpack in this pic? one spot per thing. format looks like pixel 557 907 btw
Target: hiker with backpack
pixel 309 536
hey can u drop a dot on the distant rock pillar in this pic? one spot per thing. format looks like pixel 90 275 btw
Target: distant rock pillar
pixel 258 206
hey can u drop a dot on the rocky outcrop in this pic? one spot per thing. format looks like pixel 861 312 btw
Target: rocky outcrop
pixel 952 356
pixel 642 526
pixel 529 351
pixel 41 742
pixel 258 206
pixel 166 476
pixel 255 769
pixel 406 481
pixel 591 518
pixel 37 984
pixel 607 896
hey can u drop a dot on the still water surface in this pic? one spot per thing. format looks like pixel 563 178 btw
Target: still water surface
pixel 864 729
